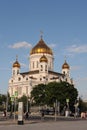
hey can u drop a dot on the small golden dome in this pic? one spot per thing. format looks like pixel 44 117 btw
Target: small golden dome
pixel 65 65
pixel 43 59
pixel 41 47
pixel 16 63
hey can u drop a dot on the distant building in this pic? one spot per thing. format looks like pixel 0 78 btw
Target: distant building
pixel 41 70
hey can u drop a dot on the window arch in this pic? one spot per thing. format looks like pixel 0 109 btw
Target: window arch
pixel 19 78
pixel 41 67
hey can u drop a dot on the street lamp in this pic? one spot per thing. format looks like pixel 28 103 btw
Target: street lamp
pixel 56 105
pixel 67 101
pixel 67 109
pixel 76 108
pixel 7 102
pixel 28 94
pixel 27 104
pixel 12 103
pixel 13 99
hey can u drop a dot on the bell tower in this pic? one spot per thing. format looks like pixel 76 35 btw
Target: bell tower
pixel 16 67
pixel 66 69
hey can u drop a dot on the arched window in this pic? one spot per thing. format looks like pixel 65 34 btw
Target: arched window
pixel 13 72
pixel 41 67
pixel 19 79
pixel 37 64
pixel 45 67
pixel 17 71
pixel 26 78
pixel 63 72
pixel 33 64
pixel 12 81
pixel 19 90
pixel 66 79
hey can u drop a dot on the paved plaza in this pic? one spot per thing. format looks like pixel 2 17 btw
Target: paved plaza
pixel 46 123
pixel 59 125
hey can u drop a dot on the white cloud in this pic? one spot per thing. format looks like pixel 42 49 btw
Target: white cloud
pixel 52 45
pixel 77 49
pixel 18 45
pixel 23 65
pixel 75 68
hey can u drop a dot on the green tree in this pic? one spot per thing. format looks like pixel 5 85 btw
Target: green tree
pixel 60 92
pixel 3 99
pixel 48 94
pixel 38 94
pixel 82 105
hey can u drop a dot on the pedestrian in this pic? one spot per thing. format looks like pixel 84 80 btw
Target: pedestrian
pixel 4 114
pixel 10 116
pixel 26 115
pixel 83 115
pixel 42 115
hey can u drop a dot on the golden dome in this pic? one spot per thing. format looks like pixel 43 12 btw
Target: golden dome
pixel 16 64
pixel 65 65
pixel 41 47
pixel 43 59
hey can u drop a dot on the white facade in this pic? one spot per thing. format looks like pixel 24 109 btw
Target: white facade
pixel 41 70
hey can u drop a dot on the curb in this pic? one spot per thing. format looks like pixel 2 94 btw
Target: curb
pixel 16 122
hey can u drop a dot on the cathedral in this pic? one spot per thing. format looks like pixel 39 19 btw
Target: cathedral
pixel 41 71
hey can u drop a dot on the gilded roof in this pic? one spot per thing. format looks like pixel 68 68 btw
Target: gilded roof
pixel 16 63
pixel 41 47
pixel 65 65
pixel 43 59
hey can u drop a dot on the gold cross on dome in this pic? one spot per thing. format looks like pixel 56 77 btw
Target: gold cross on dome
pixel 41 34
pixel 16 57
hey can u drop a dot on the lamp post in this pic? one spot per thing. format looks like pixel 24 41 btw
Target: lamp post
pixel 67 101
pixel 15 97
pixel 56 103
pixel 28 93
pixel 76 108
pixel 12 103
pixel 30 102
pixel 7 103
pixel 58 108
pixel 27 104
pixel 67 110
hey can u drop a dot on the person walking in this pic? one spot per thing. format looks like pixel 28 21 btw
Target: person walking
pixel 26 115
pixel 42 115
pixel 4 114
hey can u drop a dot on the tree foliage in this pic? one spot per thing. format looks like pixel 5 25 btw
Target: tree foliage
pixel 48 94
pixel 38 94
pixel 3 100
pixel 82 105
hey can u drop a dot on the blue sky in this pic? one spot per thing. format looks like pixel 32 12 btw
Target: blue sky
pixel 64 26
